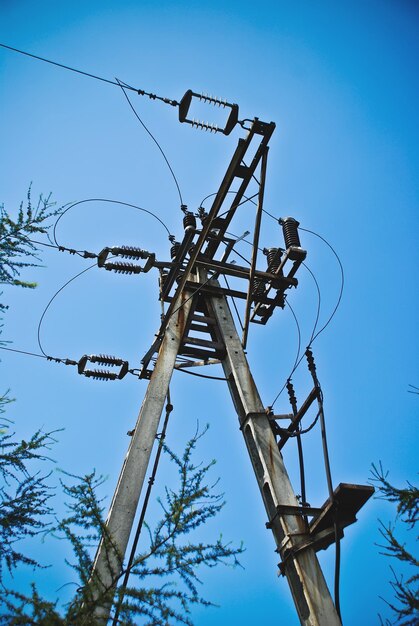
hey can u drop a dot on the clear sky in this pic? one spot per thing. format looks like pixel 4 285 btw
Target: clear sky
pixel 340 81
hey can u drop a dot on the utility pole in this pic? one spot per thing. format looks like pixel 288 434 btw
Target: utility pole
pixel 198 324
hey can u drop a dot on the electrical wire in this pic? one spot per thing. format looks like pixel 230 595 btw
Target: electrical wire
pixel 191 296
pixel 342 281
pixel 316 321
pixel 297 363
pixel 41 356
pixel 303 431
pixel 133 206
pixel 241 256
pixel 315 334
pixel 246 199
pixel 51 301
pixel 84 254
pixel 185 371
pixel 342 285
pixel 154 139
pixel 66 67
pixel 298 332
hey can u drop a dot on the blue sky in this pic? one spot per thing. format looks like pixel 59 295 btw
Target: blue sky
pixel 340 81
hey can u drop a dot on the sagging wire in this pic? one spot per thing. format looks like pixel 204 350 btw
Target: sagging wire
pixel 207 376
pixel 51 301
pixel 153 138
pixel 342 281
pixel 316 321
pixel 298 360
pixel 342 285
pixel 133 206
pixel 315 334
pixel 246 199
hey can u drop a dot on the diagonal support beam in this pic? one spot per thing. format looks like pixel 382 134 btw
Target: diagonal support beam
pixel 108 563
pixel 308 586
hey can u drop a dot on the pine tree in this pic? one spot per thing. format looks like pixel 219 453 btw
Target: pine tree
pixel 406 591
pixel 164 576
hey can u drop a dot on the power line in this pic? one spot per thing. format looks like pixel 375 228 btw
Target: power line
pixel 41 356
pixel 342 285
pixel 340 267
pixel 316 321
pixel 154 139
pixel 133 206
pixel 185 371
pixel 51 301
pixel 67 67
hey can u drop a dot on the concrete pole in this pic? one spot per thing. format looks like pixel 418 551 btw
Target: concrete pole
pixel 108 563
pixel 311 595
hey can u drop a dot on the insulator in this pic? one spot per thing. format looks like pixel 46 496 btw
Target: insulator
pixel 274 258
pixel 258 287
pixel 310 361
pixel 189 221
pixel 290 230
pixel 123 268
pixel 212 100
pixel 100 374
pixel 202 214
pixel 174 250
pixel 291 393
pixel 104 359
pixel 184 106
pixel 129 252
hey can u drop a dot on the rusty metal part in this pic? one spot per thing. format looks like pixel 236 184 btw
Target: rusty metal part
pixel 207 243
pixel 255 248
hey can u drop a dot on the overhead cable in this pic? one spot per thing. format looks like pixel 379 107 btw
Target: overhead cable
pixel 154 139
pixel 51 301
pixel 133 206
